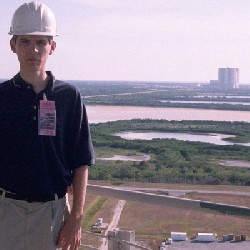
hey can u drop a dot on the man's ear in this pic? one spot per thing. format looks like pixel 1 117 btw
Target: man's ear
pixel 12 46
pixel 53 47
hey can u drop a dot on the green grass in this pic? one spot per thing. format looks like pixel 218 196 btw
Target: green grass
pixel 92 210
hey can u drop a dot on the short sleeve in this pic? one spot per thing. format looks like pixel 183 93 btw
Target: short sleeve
pixel 83 152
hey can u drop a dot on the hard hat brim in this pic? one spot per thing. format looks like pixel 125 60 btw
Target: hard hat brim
pixel 36 33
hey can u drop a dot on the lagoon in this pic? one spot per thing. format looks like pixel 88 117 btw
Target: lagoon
pixel 207 102
pixel 213 138
pixel 104 113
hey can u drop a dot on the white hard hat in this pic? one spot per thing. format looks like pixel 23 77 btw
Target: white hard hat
pixel 33 19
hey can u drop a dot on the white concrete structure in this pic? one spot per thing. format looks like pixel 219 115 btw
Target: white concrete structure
pixel 119 238
pixel 99 222
pixel 206 237
pixel 228 78
pixel 162 246
pixel 178 236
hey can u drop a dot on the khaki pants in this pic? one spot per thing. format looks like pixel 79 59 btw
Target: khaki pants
pixel 31 226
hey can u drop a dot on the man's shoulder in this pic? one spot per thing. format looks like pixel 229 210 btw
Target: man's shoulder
pixel 62 85
pixel 66 90
pixel 5 85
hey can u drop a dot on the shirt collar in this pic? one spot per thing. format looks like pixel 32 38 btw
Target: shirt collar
pixel 18 82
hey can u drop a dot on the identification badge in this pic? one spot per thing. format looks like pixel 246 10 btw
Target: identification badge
pixel 47 118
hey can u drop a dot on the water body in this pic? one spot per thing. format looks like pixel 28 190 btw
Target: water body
pixel 219 96
pixel 231 163
pixel 212 138
pixel 126 158
pixel 102 113
pixel 207 102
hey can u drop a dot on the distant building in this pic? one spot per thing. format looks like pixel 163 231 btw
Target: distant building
pixel 228 78
pixel 214 83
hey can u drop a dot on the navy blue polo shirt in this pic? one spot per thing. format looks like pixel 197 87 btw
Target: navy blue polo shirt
pixel 34 165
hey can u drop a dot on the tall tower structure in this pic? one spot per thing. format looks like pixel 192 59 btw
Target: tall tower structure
pixel 228 78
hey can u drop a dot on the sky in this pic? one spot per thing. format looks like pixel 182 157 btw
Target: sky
pixel 141 40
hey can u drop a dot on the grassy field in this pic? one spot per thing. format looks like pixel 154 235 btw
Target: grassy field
pixel 152 223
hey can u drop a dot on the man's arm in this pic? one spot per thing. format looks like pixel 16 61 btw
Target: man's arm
pixel 80 181
pixel 70 234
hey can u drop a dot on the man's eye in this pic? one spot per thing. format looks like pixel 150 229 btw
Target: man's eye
pixel 42 42
pixel 24 42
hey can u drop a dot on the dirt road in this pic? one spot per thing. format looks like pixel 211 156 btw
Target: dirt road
pixel 113 224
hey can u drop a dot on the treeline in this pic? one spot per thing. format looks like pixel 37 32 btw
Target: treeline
pixel 171 161
pixel 162 95
pixel 160 100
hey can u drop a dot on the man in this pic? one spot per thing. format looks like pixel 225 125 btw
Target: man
pixel 45 144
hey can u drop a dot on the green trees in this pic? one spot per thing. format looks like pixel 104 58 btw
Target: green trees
pixel 171 160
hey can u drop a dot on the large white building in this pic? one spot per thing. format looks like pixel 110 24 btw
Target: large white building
pixel 228 78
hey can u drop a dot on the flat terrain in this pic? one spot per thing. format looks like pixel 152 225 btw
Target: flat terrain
pixel 152 222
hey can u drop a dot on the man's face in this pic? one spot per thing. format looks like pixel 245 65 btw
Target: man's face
pixel 32 51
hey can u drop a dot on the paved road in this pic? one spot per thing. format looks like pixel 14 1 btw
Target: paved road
pixel 179 192
pixel 114 223
pixel 244 245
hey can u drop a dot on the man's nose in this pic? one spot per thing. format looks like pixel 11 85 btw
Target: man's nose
pixel 33 47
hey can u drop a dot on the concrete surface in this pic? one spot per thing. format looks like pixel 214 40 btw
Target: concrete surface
pixel 217 245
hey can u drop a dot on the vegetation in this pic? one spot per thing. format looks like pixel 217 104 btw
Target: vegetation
pixel 171 161
pixel 173 164
pixel 92 210
pixel 163 94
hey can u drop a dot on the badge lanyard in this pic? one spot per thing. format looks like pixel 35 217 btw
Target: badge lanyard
pixel 47 117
